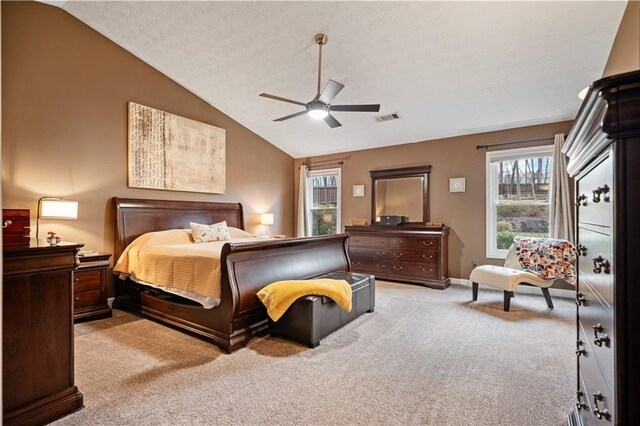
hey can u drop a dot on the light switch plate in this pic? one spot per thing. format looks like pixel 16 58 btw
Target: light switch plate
pixel 358 190
pixel 457 184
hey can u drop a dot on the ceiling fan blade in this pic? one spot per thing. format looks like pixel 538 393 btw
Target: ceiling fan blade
pixel 286 117
pixel 278 98
pixel 332 122
pixel 331 89
pixel 356 108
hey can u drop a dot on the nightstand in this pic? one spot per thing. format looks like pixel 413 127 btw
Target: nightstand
pixel 90 288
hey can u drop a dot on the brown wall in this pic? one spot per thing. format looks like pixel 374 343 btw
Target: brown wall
pixel 65 90
pixel 450 157
pixel 625 53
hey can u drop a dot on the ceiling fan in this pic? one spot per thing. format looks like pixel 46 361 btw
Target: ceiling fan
pixel 320 107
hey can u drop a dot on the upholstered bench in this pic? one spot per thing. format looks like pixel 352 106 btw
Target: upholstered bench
pixel 312 318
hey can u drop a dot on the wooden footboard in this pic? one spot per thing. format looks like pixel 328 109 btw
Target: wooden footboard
pixel 246 268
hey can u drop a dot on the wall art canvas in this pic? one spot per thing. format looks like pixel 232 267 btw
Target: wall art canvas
pixel 170 152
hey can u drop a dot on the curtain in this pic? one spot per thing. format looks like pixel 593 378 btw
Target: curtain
pixel 301 214
pixel 561 204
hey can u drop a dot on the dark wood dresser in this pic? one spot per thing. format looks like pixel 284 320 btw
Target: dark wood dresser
pixel 90 288
pixel 604 158
pixel 408 254
pixel 37 333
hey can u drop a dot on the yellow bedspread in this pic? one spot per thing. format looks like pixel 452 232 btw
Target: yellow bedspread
pixel 278 296
pixel 171 259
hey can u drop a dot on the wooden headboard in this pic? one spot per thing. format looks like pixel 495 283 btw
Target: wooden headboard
pixel 135 217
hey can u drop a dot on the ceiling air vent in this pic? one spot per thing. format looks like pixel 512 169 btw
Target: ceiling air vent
pixel 394 116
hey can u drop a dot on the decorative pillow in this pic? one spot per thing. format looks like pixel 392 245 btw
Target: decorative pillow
pixel 207 233
pixel 239 233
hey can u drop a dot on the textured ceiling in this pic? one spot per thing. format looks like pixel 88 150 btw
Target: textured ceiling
pixel 448 68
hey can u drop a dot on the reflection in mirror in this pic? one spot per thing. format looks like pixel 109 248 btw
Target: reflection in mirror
pixel 400 197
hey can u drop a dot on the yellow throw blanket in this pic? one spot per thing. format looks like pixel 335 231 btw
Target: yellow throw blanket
pixel 278 296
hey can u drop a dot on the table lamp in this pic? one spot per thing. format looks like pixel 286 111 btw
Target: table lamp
pixel 267 219
pixel 55 208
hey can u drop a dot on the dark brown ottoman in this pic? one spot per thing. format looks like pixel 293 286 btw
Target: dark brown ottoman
pixel 311 318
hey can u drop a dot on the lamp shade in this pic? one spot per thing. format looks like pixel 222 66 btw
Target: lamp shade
pixel 266 218
pixel 59 209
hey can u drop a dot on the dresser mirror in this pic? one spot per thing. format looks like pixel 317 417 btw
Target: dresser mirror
pixel 401 192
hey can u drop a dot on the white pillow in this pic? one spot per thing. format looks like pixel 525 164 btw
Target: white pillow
pixel 207 233
pixel 239 233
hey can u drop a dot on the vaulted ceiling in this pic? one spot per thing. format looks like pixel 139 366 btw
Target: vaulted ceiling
pixel 447 68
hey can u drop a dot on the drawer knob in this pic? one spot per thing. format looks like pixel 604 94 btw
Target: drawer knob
pixel 424 256
pixel 76 299
pixel 600 263
pixel 381 266
pixel 6 223
pixel 579 403
pixel 579 350
pixel 427 243
pixel 381 241
pixel 597 193
pixel 76 281
pixel 581 200
pixel 427 271
pixel 398 268
pixel 599 340
pixel 582 250
pixel 580 299
pixel 397 254
pixel 381 253
pixel 597 411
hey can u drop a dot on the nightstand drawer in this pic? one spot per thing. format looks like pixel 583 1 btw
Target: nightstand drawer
pixel 87 298
pixel 87 280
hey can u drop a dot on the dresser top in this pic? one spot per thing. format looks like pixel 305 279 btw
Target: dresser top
pixel 39 246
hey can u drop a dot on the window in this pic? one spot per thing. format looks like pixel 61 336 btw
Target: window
pixel 518 194
pixel 323 199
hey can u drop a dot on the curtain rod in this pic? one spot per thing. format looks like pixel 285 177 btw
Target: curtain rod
pixel 311 166
pixel 514 143
pixel 324 163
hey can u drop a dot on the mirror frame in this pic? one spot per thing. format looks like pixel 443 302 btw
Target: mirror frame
pixel 405 172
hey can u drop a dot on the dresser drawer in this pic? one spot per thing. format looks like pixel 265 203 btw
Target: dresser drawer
pixel 372 267
pixel 87 280
pixel 598 245
pixel 86 298
pixel 596 209
pixel 413 270
pixel 368 241
pixel 420 256
pixel 597 321
pixel 364 254
pixel 428 244
pixel 591 384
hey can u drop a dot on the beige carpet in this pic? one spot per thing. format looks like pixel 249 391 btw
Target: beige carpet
pixel 423 357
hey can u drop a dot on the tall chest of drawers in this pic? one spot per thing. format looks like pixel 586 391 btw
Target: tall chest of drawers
pixel 37 333
pixel 604 158
pixel 414 255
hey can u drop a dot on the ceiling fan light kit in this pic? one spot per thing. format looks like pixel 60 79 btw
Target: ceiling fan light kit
pixel 320 106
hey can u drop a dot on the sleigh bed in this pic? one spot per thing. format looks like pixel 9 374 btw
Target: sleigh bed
pixel 245 268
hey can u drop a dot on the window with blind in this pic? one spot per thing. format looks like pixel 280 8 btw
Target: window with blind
pixel 518 196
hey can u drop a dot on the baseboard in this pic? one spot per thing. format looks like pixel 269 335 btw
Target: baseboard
pixel 556 292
